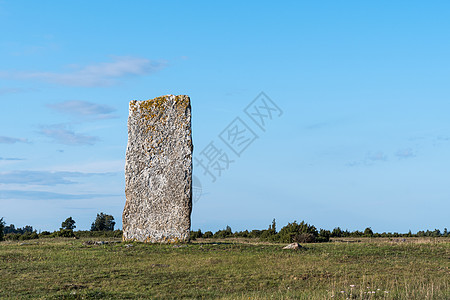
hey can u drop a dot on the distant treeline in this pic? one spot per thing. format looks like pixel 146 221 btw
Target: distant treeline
pixel 103 226
pixel 305 233
pixel 302 232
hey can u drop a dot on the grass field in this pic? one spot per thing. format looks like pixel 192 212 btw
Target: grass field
pixel 226 269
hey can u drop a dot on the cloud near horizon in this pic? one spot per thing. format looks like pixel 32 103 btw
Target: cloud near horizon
pixel 10 158
pixel 4 91
pixel 94 75
pixel 405 153
pixel 62 135
pixel 380 156
pixel 84 109
pixel 376 156
pixel 11 140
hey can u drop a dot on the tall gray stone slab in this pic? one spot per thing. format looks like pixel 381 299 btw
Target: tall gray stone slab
pixel 158 171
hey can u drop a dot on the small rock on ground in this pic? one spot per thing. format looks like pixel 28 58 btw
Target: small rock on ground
pixel 293 246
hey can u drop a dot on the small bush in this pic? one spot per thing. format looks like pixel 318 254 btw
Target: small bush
pixel 28 236
pixel 298 232
pixel 208 235
pixel 221 234
pixel 269 234
pixel 368 232
pixel 324 236
pixel 21 237
pixel 12 236
pixel 196 235
pixel 68 233
pixel 255 233
pixel 243 234
pixel 304 238
pixel 45 234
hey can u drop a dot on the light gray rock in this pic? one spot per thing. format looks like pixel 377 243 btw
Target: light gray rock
pixel 158 171
pixel 293 246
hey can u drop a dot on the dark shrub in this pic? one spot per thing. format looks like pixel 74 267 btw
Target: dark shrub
pixel 337 232
pixel 368 232
pixel 44 234
pixel 196 234
pixel 255 233
pixel 304 238
pixel 243 234
pixel 293 231
pixel 28 236
pixel 68 233
pixel 221 234
pixel 208 235
pixel 2 227
pixel 118 233
pixel 12 236
pixel 270 233
pixel 324 236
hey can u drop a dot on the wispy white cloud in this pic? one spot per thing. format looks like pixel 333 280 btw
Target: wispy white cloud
pixel 4 91
pixel 100 74
pixel 45 178
pixel 61 134
pixel 84 110
pixel 405 153
pixel 380 156
pixel 10 158
pixel 443 138
pixel 376 156
pixel 353 163
pixel 370 159
pixel 11 140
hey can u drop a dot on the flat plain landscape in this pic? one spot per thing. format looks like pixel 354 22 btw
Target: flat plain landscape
pixel 364 268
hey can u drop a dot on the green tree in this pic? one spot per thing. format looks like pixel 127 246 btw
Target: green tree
pixel 297 232
pixel 68 224
pixel 337 232
pixel 270 234
pixel 2 227
pixel 221 234
pixel 103 222
pixel 368 232
pixel 324 235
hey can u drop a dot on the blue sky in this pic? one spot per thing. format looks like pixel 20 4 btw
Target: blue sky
pixel 361 138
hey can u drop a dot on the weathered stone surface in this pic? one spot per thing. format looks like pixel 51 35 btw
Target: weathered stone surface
pixel 158 171
pixel 293 246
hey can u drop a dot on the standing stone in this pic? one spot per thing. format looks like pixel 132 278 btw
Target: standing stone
pixel 158 171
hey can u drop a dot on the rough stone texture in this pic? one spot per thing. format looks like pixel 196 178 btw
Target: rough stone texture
pixel 158 171
pixel 293 246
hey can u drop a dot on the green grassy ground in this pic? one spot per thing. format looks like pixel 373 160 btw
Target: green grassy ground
pixel 230 269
